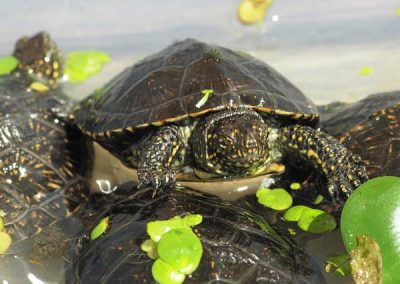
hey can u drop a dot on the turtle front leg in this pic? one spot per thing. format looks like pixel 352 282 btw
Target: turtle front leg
pixel 156 159
pixel 343 170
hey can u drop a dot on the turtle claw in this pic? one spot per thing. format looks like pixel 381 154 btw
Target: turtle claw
pixel 343 182
pixel 159 180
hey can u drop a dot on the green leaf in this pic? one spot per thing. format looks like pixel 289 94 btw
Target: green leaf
pixel 164 273
pixel 294 213
pixel 100 228
pixel 8 64
pixel 295 186
pixel 373 209
pixel 80 65
pixel 366 261
pixel 150 248
pixel 277 199
pixel 156 229
pixel 318 199
pixel 192 219
pixel 206 93
pixel 339 263
pixel 181 249
pixel 5 242
pixel 316 221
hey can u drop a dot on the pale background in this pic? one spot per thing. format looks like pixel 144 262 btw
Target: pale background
pixel 319 45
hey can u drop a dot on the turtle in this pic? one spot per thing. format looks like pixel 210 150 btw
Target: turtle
pixel 40 186
pixel 239 246
pixel 155 116
pixel 371 129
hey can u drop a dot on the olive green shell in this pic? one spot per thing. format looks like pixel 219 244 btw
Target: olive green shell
pixel 167 86
pixel 238 246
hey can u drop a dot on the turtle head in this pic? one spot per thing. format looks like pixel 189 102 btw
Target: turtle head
pixel 39 58
pixel 237 142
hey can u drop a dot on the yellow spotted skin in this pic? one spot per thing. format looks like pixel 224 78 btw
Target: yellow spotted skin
pixel 343 170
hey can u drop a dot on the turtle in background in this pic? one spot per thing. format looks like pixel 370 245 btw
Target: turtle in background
pixel 238 246
pixel 371 129
pixel 40 186
pixel 209 108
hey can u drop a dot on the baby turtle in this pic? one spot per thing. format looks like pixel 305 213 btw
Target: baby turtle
pixel 39 183
pixel 150 117
pixel 371 129
pixel 238 246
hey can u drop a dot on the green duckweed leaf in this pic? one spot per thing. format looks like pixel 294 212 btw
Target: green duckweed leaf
pixel 100 228
pixel 295 186
pixel 80 65
pixel 318 199
pixel 8 64
pixel 277 199
pixel 339 264
pixel 192 219
pixel 156 229
pixel 164 273
pixel 150 248
pixel 181 249
pixel 366 261
pixel 294 213
pixel 206 93
pixel 316 221
pixel 5 242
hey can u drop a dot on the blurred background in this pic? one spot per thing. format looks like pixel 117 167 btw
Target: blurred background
pixel 332 50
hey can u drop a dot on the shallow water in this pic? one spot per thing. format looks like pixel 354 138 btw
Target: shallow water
pixel 320 46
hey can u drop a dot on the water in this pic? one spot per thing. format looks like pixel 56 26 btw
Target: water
pixel 320 46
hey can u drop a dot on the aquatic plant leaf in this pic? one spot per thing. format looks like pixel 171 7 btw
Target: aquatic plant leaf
pixel 100 228
pixel 339 264
pixel 5 242
pixel 206 93
pixel 8 64
pixel 80 65
pixel 164 273
pixel 150 248
pixel 181 249
pixel 294 213
pixel 316 221
pixel 295 186
pixel 277 199
pixel 39 87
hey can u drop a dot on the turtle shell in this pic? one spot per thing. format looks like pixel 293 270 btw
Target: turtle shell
pixel 39 185
pixel 167 86
pixel 238 246
pixel 371 129
pixel 338 118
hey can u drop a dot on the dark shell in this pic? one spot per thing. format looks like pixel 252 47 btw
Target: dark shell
pixel 371 129
pixel 377 141
pixel 346 116
pixel 239 247
pixel 167 86
pixel 39 184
